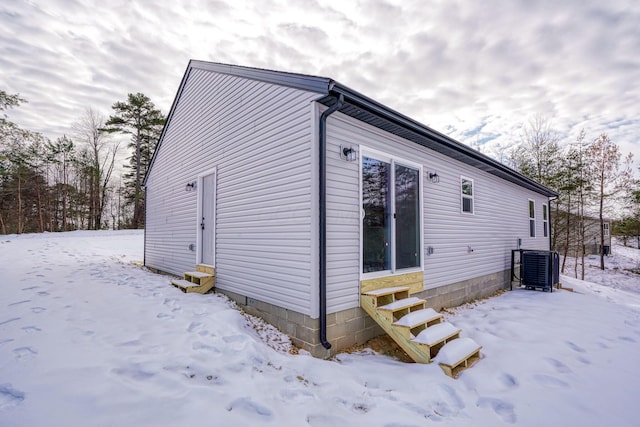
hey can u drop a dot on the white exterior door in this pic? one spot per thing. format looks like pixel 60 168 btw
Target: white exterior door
pixel 206 218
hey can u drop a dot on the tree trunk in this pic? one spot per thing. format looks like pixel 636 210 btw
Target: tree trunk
pixel 568 232
pixel 20 223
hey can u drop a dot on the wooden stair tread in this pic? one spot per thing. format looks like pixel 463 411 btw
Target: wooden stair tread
pixel 418 317
pixel 184 283
pixel 401 304
pixel 386 291
pixel 198 274
pixel 457 355
pixel 436 333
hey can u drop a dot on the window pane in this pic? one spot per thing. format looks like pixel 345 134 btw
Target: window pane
pixel 544 212
pixel 376 203
pixel 467 187
pixel 467 204
pixel 532 228
pixel 532 211
pixel 407 198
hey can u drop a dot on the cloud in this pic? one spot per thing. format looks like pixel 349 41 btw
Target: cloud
pixel 475 70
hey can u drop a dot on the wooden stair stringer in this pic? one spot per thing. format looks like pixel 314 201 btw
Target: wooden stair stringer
pixel 416 351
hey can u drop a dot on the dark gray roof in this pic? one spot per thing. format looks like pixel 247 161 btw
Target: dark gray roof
pixel 376 114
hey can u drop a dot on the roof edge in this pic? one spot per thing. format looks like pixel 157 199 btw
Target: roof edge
pixel 306 82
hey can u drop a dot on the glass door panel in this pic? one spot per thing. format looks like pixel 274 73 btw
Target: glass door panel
pixel 376 203
pixel 407 207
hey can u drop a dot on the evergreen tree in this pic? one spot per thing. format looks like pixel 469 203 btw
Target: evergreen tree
pixel 139 118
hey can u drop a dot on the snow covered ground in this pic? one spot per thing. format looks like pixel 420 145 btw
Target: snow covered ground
pixel 89 338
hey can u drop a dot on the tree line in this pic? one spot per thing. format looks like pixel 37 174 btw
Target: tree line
pixel 594 181
pixel 72 182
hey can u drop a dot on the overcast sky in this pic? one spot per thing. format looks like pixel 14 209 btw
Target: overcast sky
pixel 475 70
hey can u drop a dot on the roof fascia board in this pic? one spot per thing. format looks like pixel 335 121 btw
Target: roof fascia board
pixel 362 101
pixel 294 80
pixel 185 77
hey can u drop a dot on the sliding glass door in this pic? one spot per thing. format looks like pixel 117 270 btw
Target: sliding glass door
pixel 391 225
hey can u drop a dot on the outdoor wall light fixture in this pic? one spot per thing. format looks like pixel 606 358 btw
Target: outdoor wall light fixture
pixel 348 154
pixel 434 177
pixel 190 186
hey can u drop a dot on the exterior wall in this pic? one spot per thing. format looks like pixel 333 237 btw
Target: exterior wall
pixel 259 138
pixel 501 215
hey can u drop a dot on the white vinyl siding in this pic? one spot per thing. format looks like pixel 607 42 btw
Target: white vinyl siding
pixel 259 138
pixel 492 231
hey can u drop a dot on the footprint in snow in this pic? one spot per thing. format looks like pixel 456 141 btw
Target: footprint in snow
pixel 627 339
pixel 559 366
pixel 575 347
pixel 37 310
pixel 30 288
pixel 206 347
pixel 452 397
pixel 31 329
pixel 501 407
pixel 193 326
pixel 250 408
pixel 24 353
pixel 164 316
pixel 584 360
pixel 289 395
pixel 9 396
pixel 549 381
pixel 509 381
pixel 133 372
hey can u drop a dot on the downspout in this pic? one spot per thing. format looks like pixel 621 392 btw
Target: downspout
pixel 322 142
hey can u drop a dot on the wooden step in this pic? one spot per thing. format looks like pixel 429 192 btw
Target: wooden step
pixel 437 333
pixel 403 304
pixel 184 285
pixel 436 336
pixel 411 324
pixel 384 296
pixel 458 355
pixel 426 316
pixel 396 309
pixel 197 274
pixel 386 291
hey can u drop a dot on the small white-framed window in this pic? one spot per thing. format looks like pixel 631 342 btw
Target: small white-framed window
pixel 545 221
pixel 605 229
pixel 466 193
pixel 532 218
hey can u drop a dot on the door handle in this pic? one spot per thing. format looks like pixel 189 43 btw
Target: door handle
pixel 202 223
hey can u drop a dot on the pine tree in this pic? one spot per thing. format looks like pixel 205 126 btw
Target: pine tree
pixel 139 118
